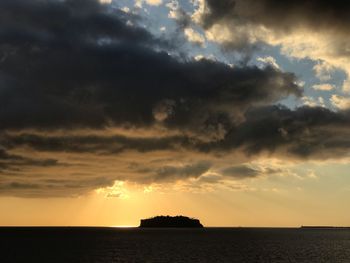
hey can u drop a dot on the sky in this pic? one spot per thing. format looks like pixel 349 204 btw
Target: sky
pixel 236 112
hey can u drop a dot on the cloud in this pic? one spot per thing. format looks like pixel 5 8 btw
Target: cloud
pixel 304 133
pixel 240 172
pixel 323 71
pixel 154 2
pixel 323 87
pixel 313 102
pixel 288 14
pixel 116 191
pixel 302 29
pixel 97 144
pixel 246 171
pixel 269 61
pixel 105 1
pixel 183 171
pixel 89 162
pixel 340 102
pixel 194 37
pixel 96 73
pixel 87 99
pixel 178 14
pixel 9 161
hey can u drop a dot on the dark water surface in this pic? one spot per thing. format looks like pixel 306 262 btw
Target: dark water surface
pixel 174 245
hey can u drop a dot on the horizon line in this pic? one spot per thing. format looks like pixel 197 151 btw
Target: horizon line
pixel 137 226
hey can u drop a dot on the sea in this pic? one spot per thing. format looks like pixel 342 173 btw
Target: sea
pixel 244 245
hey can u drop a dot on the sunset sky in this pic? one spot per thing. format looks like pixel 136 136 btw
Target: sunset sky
pixel 236 112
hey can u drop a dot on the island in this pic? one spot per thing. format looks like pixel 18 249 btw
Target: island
pixel 170 222
pixel 325 227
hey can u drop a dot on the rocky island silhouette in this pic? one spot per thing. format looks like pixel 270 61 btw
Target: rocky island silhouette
pixel 170 221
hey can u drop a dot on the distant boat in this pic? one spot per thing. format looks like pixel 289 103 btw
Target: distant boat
pixel 170 222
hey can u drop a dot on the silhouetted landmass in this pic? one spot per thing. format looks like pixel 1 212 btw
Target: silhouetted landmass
pixel 325 227
pixel 171 221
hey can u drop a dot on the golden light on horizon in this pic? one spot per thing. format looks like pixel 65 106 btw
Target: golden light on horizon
pixel 124 226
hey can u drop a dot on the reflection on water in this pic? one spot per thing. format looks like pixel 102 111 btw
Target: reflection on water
pixel 174 245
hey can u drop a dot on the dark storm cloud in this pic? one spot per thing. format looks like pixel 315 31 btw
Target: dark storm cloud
pixel 301 133
pixel 93 144
pixel 315 133
pixel 304 133
pixel 283 15
pixel 15 162
pixel 174 173
pixel 240 172
pixel 78 64
pixel 52 23
pixel 244 171
pixel 248 25
pixel 161 173
pixel 67 66
pixel 39 187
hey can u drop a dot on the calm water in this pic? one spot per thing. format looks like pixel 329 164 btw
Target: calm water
pixel 174 245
